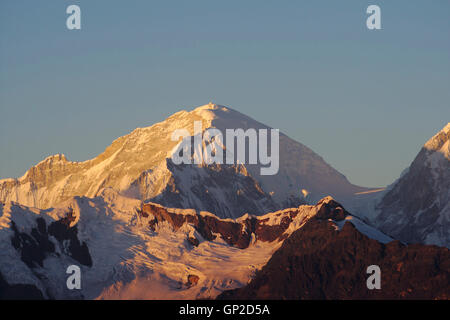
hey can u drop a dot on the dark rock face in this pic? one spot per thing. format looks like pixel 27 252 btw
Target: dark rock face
pixel 19 291
pixel 62 231
pixel 320 262
pixel 36 246
pixel 232 232
pixel 192 280
pixel 238 234
pixel 193 241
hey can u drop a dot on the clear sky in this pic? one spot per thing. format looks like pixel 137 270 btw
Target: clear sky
pixel 366 101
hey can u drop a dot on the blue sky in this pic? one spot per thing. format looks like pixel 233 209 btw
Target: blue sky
pixel 364 100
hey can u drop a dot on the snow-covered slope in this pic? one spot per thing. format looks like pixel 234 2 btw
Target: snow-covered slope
pixel 416 208
pixel 138 166
pixel 131 251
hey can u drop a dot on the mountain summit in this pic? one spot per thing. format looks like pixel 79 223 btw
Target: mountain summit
pixel 417 207
pixel 139 165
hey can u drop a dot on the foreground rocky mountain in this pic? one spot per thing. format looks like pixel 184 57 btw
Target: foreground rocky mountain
pixel 138 165
pixel 329 259
pixel 129 250
pixel 416 208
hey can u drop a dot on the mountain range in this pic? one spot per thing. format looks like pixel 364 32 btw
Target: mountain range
pixel 138 165
pixel 142 227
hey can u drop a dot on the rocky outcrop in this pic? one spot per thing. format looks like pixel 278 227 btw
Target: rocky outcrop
pixel 320 262
pixel 192 280
pixel 239 232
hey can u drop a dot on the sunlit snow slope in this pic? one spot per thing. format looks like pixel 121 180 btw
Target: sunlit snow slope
pixel 138 165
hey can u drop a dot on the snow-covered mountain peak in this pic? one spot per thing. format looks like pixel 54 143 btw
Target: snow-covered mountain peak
pixel 210 107
pixel 416 208
pixel 139 165
pixel 440 142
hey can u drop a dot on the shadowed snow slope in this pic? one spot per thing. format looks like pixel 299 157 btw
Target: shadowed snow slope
pixel 138 165
pixel 416 208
